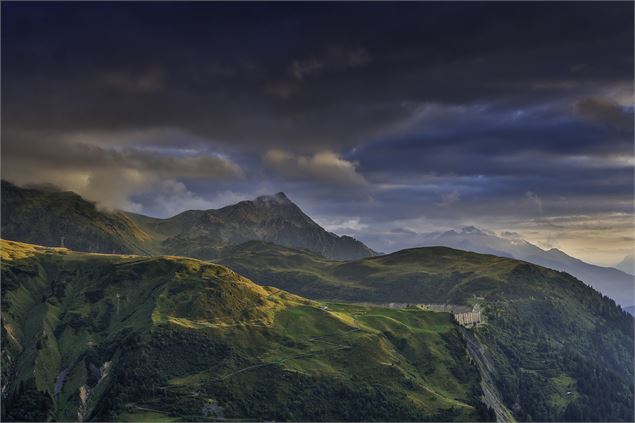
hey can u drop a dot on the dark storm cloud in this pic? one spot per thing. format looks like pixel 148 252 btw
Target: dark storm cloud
pixel 289 68
pixel 416 112
pixel 606 111
pixel 479 141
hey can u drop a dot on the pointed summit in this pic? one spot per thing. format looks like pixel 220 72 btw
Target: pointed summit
pixel 277 199
pixel 271 218
pixel 282 196
pixel 195 233
pixel 473 230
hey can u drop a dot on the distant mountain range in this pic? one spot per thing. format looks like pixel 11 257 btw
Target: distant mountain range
pixel 46 216
pixel 627 265
pixel 611 282
pixel 49 217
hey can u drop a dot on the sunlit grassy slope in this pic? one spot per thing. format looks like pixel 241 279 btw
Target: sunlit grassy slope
pixel 558 350
pixel 112 337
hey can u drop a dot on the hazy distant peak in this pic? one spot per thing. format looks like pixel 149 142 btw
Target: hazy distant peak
pixel 611 282
pixel 559 253
pixel 447 233
pixel 627 264
pixel 473 230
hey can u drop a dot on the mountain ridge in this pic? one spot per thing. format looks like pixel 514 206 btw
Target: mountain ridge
pixel 43 216
pixel 610 281
pixel 268 218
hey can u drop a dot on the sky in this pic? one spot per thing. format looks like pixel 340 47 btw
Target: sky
pixel 383 121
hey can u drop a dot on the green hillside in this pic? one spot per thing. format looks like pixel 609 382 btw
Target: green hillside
pixel 45 216
pixel 557 349
pixel 113 337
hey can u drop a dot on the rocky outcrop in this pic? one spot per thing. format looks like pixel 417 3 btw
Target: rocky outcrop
pixel 491 396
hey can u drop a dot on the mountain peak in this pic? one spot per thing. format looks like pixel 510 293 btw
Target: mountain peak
pixel 271 218
pixel 276 199
pixel 473 230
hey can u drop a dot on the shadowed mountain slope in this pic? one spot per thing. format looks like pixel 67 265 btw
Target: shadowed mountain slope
pixel 268 218
pixel 44 216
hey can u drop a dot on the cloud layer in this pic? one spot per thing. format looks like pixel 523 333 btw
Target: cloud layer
pixel 325 167
pixel 380 119
pixel 108 173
